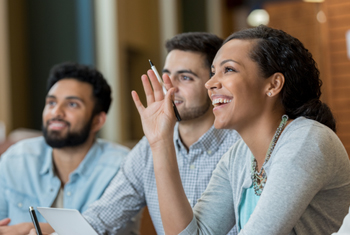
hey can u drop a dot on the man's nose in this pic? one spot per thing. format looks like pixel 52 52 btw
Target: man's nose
pixel 173 80
pixel 58 110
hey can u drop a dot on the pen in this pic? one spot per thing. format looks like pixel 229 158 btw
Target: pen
pixel 35 220
pixel 160 80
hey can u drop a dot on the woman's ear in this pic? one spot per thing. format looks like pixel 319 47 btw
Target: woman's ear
pixel 275 85
pixel 98 122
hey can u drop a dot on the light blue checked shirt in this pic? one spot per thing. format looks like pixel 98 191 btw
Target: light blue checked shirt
pixel 134 186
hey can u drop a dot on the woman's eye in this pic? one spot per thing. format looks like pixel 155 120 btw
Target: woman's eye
pixel 229 69
pixel 212 74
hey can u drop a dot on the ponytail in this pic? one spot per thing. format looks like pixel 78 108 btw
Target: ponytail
pixel 316 110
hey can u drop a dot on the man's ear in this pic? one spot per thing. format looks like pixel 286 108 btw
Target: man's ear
pixel 98 121
pixel 275 85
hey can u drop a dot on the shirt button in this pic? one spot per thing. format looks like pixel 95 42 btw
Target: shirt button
pixel 192 167
pixel 20 205
pixel 209 152
pixel 69 193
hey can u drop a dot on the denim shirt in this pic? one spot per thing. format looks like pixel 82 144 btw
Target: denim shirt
pixel 27 178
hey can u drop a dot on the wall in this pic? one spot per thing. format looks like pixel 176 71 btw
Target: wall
pixel 326 41
pixel 338 22
pixel 5 101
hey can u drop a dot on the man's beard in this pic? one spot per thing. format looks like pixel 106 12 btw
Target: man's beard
pixel 193 113
pixel 72 139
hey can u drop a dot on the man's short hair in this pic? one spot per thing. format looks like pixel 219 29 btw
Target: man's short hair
pixel 84 73
pixel 205 43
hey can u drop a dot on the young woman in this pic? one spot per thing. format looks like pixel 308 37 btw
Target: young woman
pixel 288 175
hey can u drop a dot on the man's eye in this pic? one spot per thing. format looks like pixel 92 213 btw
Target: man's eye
pixel 73 105
pixel 51 103
pixel 186 78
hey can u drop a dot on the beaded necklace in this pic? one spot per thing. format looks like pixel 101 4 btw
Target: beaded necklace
pixel 259 178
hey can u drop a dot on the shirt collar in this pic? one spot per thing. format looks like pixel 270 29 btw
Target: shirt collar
pixel 84 167
pixel 89 162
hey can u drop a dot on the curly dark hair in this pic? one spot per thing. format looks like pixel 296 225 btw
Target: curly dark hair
pixel 205 43
pixel 84 73
pixel 276 51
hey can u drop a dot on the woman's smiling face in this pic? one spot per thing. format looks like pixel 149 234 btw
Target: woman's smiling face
pixel 237 88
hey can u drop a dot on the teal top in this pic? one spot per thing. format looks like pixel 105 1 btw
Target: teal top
pixel 248 203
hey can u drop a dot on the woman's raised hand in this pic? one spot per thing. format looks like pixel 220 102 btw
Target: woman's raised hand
pixel 158 118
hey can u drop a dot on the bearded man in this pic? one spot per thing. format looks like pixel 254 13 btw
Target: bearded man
pixel 68 167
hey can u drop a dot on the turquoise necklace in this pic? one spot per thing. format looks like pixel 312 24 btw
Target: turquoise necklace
pixel 259 178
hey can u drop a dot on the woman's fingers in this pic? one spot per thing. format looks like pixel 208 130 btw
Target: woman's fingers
pixel 157 87
pixel 148 89
pixel 153 91
pixel 137 102
pixel 167 81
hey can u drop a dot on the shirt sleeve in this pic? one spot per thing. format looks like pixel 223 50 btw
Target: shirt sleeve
pixel 214 211
pixel 3 202
pixel 304 164
pixel 123 198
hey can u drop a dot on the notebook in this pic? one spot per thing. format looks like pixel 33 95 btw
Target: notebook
pixel 66 221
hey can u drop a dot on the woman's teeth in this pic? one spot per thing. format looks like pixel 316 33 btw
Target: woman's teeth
pixel 216 102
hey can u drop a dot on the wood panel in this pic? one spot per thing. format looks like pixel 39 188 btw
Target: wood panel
pixel 342 116
pixel 342 104
pixel 340 81
pixel 147 227
pixel 336 33
pixel 300 20
pixel 338 15
pixel 339 21
pixel 337 2
pixel 338 57
pixel 337 46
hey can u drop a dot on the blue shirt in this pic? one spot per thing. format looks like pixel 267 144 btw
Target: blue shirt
pixel 134 186
pixel 27 178
pixel 249 200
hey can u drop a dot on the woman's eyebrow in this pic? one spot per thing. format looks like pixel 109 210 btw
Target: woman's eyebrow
pixel 228 60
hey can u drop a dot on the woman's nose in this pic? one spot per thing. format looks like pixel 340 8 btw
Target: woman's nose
pixel 212 83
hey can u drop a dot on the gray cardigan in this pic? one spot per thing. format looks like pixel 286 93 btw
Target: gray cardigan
pixel 307 189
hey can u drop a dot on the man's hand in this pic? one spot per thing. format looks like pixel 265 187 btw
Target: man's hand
pixel 33 232
pixel 5 222
pixel 18 229
pixel 22 228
